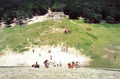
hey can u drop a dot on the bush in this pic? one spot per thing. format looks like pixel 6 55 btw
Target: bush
pixel 110 19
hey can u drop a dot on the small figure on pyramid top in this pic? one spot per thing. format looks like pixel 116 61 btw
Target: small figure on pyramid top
pixel 49 10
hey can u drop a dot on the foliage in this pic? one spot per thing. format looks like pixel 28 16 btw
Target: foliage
pixel 94 10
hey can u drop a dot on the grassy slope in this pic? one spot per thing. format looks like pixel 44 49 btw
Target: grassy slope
pixel 92 42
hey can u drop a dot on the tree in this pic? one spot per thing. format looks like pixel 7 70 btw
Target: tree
pixel 92 10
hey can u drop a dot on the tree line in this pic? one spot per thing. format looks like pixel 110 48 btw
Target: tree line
pixel 93 11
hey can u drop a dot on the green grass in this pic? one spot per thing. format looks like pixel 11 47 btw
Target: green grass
pixel 93 42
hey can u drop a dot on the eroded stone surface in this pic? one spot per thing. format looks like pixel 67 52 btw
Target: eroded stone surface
pixel 57 73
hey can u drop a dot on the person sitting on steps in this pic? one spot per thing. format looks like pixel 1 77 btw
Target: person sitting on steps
pixel 35 65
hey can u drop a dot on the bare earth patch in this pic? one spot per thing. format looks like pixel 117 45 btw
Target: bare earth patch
pixel 59 54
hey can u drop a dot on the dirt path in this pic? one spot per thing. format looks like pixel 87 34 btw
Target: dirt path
pixel 57 73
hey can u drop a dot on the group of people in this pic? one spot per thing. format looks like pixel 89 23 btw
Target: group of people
pixel 64 49
pixel 46 63
pixel 70 65
pixel 74 65
pixel 36 65
pixel 51 62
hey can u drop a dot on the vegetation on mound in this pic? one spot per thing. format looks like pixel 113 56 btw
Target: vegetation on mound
pixel 94 11
pixel 99 41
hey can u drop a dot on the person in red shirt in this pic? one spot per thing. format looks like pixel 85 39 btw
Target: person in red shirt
pixel 70 65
